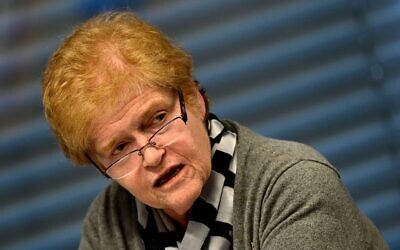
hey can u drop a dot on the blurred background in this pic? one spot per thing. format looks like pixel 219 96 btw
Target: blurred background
pixel 323 72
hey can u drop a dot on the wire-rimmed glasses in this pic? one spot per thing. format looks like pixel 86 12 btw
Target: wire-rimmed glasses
pixel 161 138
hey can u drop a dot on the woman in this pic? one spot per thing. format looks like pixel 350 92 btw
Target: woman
pixel 120 96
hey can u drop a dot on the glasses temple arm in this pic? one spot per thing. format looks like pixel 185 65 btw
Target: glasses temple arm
pixel 96 166
pixel 182 106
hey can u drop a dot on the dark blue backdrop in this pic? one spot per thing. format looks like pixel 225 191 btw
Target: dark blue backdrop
pixel 323 72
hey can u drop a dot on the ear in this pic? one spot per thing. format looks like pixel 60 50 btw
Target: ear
pixel 201 105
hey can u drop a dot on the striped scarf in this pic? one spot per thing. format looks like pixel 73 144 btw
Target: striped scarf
pixel 210 222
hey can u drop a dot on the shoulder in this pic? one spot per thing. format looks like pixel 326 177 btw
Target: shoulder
pixel 259 154
pixel 107 205
pixel 109 200
pixel 111 220
pixel 287 194
pixel 263 163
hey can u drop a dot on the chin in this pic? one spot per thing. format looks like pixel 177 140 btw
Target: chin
pixel 182 201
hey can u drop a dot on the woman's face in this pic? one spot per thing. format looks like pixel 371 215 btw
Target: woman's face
pixel 170 177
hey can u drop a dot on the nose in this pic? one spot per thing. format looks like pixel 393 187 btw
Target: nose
pixel 152 155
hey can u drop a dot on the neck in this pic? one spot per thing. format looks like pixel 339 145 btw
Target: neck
pixel 181 219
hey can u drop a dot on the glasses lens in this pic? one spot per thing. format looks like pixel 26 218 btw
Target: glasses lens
pixel 124 165
pixel 165 136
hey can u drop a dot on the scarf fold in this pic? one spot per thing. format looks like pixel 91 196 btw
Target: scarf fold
pixel 210 222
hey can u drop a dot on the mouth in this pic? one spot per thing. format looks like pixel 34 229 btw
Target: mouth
pixel 167 176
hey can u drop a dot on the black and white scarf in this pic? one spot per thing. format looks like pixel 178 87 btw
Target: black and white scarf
pixel 210 222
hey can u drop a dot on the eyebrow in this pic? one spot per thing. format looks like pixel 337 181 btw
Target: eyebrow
pixel 106 149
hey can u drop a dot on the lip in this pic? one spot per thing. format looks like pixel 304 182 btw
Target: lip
pixel 166 173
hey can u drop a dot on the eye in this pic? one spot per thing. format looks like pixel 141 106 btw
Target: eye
pixel 159 118
pixel 119 148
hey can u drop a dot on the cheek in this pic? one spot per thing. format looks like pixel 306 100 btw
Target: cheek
pixel 133 184
pixel 200 150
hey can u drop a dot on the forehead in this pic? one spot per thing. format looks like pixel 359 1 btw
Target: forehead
pixel 131 108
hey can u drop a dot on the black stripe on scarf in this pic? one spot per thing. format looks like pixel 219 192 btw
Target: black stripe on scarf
pixel 220 163
pixel 222 229
pixel 203 212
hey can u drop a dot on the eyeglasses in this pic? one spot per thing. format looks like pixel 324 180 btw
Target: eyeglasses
pixel 163 137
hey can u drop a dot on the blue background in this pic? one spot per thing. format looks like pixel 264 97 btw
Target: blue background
pixel 322 72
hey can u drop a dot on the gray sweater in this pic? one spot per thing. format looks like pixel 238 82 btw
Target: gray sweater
pixel 286 196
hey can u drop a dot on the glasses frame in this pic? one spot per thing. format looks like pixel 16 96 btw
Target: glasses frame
pixel 182 116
